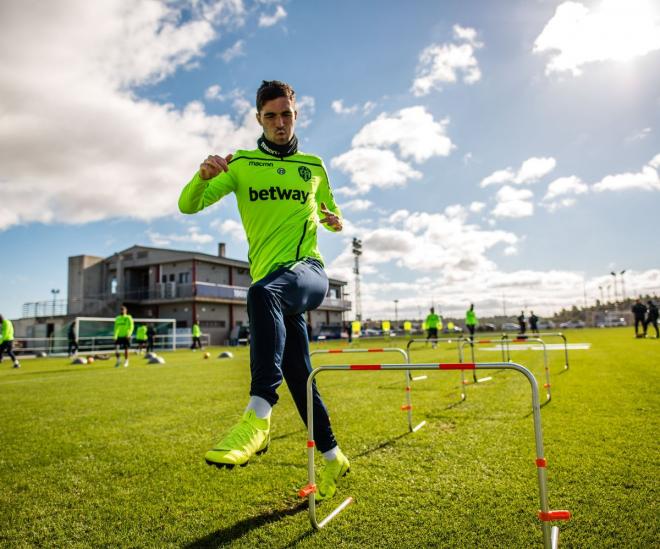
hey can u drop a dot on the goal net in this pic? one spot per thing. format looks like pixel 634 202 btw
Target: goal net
pixel 96 333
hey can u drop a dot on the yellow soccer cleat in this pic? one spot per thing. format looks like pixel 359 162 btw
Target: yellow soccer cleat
pixel 248 437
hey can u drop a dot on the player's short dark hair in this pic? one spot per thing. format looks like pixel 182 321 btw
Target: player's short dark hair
pixel 272 89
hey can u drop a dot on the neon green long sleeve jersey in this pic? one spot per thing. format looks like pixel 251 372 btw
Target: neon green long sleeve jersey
pixel 141 333
pixel 470 317
pixel 7 331
pixel 123 326
pixel 279 201
pixel 433 321
pixel 196 331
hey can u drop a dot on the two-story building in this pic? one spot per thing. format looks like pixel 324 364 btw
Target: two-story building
pixel 182 285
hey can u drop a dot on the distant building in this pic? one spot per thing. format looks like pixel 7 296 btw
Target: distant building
pixel 161 283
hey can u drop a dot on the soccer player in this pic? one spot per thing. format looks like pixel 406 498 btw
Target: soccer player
pixel 283 195
pixel 196 336
pixel 432 324
pixel 122 335
pixel 141 337
pixel 151 336
pixel 471 321
pixel 73 341
pixel 639 312
pixel 522 326
pixel 533 323
pixel 7 340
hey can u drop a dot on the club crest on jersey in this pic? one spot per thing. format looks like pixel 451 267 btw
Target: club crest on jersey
pixel 281 171
pixel 305 173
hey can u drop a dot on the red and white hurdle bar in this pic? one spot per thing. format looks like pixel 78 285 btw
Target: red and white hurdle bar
pixel 546 385
pixel 438 340
pixel 408 405
pixel 519 339
pixel 546 516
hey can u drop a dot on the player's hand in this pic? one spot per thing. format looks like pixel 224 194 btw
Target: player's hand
pixel 213 165
pixel 331 219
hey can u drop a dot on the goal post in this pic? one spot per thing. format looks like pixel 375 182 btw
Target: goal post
pixel 96 333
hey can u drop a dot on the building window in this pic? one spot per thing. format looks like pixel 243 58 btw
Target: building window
pixel 163 279
pixel 113 286
pixel 184 278
pixel 172 278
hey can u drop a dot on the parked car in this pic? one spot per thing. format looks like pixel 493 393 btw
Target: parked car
pixel 546 325
pixel 573 324
pixel 510 327
pixel 612 323
pixel 487 327
pixel 371 332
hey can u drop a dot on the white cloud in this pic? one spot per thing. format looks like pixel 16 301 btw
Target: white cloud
pixel 213 92
pixel 530 171
pixel 230 227
pixel 476 207
pixel 306 107
pixel 369 167
pixel 270 20
pixel 444 63
pixel 236 50
pixel 412 130
pixel 638 136
pixel 191 236
pixel 357 205
pixel 499 176
pixel 534 169
pixel 646 180
pixel 513 202
pixel 338 107
pixel 87 155
pixel 612 30
pixel 565 185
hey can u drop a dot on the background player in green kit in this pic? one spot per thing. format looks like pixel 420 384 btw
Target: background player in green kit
pixel 471 320
pixel 122 335
pixel 282 196
pixel 141 338
pixel 432 324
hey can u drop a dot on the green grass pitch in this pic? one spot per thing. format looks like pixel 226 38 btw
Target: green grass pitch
pixel 93 456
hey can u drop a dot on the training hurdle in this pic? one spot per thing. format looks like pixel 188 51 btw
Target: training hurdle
pixel 408 405
pixel 505 336
pixel 438 340
pixel 505 341
pixel 546 516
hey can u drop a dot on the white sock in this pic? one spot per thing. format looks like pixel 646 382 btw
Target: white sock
pixel 331 454
pixel 261 407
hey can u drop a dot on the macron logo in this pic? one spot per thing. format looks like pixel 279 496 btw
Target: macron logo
pixel 275 193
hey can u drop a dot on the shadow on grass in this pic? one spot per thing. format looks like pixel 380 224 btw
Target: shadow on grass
pixel 285 435
pixel 238 530
pixel 382 445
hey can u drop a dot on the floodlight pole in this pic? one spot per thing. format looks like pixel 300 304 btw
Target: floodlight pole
pixel 357 252
pixel 54 291
pixel 396 313
pixel 616 294
pixel 623 286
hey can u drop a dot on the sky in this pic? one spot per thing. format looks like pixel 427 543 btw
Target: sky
pixel 505 154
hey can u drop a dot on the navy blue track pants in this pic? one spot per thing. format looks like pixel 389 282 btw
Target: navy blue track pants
pixel 279 347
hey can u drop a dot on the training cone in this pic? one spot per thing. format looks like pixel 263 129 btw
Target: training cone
pixel 225 354
pixel 157 360
pixel 79 360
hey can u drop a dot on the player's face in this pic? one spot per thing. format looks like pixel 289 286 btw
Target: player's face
pixel 278 120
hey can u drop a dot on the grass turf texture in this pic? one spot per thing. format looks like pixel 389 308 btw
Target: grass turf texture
pixel 98 456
